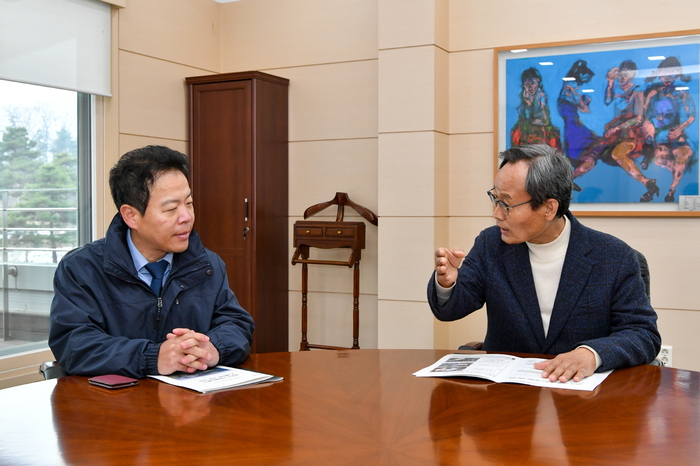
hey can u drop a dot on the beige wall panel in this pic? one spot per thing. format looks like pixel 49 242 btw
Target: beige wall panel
pixel 441 235
pixel 335 101
pixel 23 368
pixel 319 169
pixel 405 325
pixel 464 230
pixel 407 89
pixel 405 257
pixel 471 92
pixel 266 34
pixel 441 334
pixel 441 330
pixel 442 175
pixel 407 23
pixel 477 24
pixel 128 142
pixel 442 24
pixel 21 377
pixel 467 329
pixel 471 174
pixel 335 278
pixel 679 329
pixel 442 90
pixel 672 249
pixel 153 97
pixel 330 320
pixel 180 31
pixel 413 174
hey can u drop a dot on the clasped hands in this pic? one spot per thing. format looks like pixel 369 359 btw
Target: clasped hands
pixel 187 351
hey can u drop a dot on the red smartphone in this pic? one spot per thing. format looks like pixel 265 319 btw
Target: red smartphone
pixel 113 381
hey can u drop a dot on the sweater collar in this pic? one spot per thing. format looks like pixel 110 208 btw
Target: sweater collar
pixel 553 250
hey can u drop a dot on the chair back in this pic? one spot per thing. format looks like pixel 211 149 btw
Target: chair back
pixel 644 269
pixel 51 370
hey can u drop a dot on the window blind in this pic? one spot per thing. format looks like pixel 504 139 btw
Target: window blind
pixel 57 43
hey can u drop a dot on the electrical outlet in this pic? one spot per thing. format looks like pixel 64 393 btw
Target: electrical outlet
pixel 666 355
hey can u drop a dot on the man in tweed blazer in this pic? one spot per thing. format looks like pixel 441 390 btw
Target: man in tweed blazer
pixel 550 284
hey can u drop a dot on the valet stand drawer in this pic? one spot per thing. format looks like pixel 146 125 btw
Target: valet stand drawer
pixel 328 235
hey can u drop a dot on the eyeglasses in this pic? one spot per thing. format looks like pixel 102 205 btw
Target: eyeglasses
pixel 499 203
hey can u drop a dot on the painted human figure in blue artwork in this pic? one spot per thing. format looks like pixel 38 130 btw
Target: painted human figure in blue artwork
pixel 534 125
pixel 570 102
pixel 669 111
pixel 624 138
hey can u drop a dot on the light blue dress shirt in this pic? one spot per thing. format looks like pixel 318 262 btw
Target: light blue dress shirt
pixel 140 262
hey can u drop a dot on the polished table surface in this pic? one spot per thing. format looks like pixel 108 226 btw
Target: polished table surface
pixel 356 407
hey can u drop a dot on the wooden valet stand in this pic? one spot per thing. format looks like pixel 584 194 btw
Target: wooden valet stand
pixel 331 235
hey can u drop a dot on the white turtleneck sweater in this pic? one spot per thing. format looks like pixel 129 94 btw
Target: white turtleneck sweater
pixel 547 261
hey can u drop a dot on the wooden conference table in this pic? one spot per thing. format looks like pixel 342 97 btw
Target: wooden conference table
pixel 357 407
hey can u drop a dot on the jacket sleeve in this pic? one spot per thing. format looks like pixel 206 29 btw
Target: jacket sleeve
pixel 78 336
pixel 232 327
pixel 468 294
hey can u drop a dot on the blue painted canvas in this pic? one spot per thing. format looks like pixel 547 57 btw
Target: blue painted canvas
pixel 626 119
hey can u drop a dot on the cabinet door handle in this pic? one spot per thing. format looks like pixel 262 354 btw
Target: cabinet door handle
pixel 246 210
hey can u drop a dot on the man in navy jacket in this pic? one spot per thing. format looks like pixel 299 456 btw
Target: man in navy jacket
pixel 111 315
pixel 550 284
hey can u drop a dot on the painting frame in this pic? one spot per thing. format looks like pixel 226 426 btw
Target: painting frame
pixel 610 185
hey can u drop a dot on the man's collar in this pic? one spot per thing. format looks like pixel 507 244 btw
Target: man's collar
pixel 138 258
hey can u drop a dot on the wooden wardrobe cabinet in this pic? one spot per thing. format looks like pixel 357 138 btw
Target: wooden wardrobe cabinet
pixel 238 149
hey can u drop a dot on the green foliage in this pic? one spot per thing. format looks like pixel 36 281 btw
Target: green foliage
pixel 34 183
pixel 18 158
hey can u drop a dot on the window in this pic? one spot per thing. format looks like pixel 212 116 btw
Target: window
pixel 45 187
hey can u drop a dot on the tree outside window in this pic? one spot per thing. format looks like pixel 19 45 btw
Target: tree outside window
pixel 39 201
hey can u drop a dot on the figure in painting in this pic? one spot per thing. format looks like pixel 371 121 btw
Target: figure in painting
pixel 669 111
pixel 624 137
pixel 534 125
pixel 570 102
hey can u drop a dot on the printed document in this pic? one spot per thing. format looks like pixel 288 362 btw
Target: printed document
pixel 217 378
pixel 503 368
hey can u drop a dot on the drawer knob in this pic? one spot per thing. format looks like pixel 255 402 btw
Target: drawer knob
pixel 308 231
pixel 339 232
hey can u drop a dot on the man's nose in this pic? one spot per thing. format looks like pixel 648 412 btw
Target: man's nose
pixel 498 213
pixel 185 214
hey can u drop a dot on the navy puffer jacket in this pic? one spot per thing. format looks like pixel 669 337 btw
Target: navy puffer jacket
pixel 105 320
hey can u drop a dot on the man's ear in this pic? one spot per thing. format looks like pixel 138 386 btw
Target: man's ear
pixel 551 206
pixel 131 216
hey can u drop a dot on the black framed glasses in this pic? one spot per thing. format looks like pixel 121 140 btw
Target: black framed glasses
pixel 499 203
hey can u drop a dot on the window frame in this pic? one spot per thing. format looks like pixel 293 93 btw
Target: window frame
pixel 21 367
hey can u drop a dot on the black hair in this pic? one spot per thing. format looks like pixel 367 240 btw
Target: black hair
pixel 628 65
pixel 670 62
pixel 131 179
pixel 580 72
pixel 530 73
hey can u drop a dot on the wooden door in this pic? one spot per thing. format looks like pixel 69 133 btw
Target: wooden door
pixel 221 177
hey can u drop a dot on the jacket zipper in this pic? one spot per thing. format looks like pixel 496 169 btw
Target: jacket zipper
pixel 160 306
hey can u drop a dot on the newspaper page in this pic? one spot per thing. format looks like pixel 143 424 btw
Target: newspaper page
pixel 503 368
pixel 217 378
